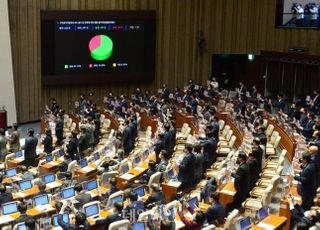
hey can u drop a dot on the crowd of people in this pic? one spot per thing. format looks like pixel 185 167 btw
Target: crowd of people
pixel 201 154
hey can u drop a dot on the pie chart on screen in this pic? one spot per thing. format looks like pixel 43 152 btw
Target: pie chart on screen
pixel 100 47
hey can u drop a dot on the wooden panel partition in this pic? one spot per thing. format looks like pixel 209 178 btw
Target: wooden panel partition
pixel 114 122
pixel 147 121
pixel 182 118
pixel 286 142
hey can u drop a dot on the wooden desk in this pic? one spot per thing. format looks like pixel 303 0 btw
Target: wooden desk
pixel 26 193
pixel 102 214
pixel 51 167
pixel 285 207
pixel 227 193
pixel 147 121
pixel 13 163
pixel 170 190
pixel 271 222
pixel 89 174
pixel 182 118
pixel 14 179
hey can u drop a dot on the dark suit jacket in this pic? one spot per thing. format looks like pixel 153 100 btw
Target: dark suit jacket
pixel 209 150
pixel 127 139
pixel 279 105
pixel 308 181
pixel 110 219
pixel 159 197
pixel 47 144
pixel 133 210
pixel 66 226
pixel 22 218
pixel 5 197
pixel 258 153
pixel 216 211
pixel 83 199
pixel 72 147
pixel 186 170
pixel 308 129
pixel 242 180
pixel 158 146
pixel 30 153
pixel 254 170
pixel 59 128
pixel 83 142
pixel 215 130
pixel 167 138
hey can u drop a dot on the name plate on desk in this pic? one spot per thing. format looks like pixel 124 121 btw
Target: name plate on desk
pixel 53 163
pixel 174 183
pixel 228 192
pixel 127 176
pixel 87 169
pixel 139 169
pixel 265 226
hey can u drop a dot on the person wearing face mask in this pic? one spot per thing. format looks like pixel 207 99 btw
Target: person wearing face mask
pixel 241 182
pixel 307 178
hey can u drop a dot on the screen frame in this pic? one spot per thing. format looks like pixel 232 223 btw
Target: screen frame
pixel 98 78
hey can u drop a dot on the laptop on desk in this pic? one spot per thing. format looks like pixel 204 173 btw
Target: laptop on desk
pixel 68 193
pixel 50 181
pixel 19 156
pixel 25 184
pixel 92 211
pixel 65 219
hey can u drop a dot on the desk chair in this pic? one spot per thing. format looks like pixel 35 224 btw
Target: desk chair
pixel 109 202
pixel 272 150
pixel 221 124
pixel 209 227
pixel 7 158
pixel 230 219
pixel 173 204
pixel 72 167
pixel 144 215
pixel 269 130
pixel 273 137
pixel 154 179
pixel 121 224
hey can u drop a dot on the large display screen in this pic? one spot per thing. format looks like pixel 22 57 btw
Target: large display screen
pixel 83 47
pixel 297 14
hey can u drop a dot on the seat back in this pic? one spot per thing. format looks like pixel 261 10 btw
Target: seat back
pixel 230 218
pixel 155 178
pixel 7 158
pixel 106 176
pixel 15 227
pixel 221 124
pixel 229 134
pixel 173 204
pixel 273 137
pixel 89 204
pixel 109 202
pixel 277 142
pixel 269 130
pixel 144 215
pixel 265 122
pixel 209 227
pixel 72 166
pixel 121 224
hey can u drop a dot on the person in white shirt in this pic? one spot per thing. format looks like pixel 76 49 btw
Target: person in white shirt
pixel 314 15
pixel 299 15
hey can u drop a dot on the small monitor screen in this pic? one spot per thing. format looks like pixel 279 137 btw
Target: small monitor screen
pixel 137 160
pixel 9 208
pixel 26 184
pixel 83 163
pixel 139 191
pixel 18 154
pixel 170 174
pixel 22 227
pixel 68 192
pixel 11 172
pixel 49 158
pixel 262 213
pixel 93 184
pixel 92 210
pixel 138 226
pixel 41 200
pixel 61 152
pixel 125 168
pixel 49 178
pixel 194 202
pixel 245 223
pixel 117 199
pixel 65 219
pixel 96 156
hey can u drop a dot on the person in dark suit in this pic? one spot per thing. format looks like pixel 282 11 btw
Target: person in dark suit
pixel 209 150
pixel 307 178
pixel 257 153
pixel 156 196
pixel 72 146
pixel 315 159
pixel 22 208
pixel 4 195
pixel 186 169
pixel 65 164
pixel 127 138
pixel 307 130
pixel 59 130
pixel 254 170
pixel 134 128
pixel 161 167
pixel 30 147
pixel 83 141
pixel 158 146
pixel 173 132
pixel 151 170
pixel 47 142
pixel 82 196
pixel 134 208
pixel 116 216
pixel 315 102
pixel 215 127
pixel 167 138
pixel 217 211
pixel 210 187
pixel 241 182
pixel 199 162
pixel 80 224
pixel 279 104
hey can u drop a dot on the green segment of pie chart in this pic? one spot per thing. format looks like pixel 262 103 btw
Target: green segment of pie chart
pixel 104 50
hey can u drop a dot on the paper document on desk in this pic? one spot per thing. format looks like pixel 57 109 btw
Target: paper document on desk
pixel 179 224
pixel 53 163
pixel 5 219
pixel 174 183
pixel 139 168
pixel 53 184
pixel 20 194
pixel 227 192
pixel 265 226
pixel 16 178
pixel 127 176
pixel 87 169
pixel 42 208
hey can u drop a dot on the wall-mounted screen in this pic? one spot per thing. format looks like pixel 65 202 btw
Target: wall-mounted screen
pixel 83 47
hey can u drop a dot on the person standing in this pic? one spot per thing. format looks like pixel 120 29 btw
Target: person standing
pixel 72 146
pixel 14 139
pixel 3 145
pixel 47 142
pixel 186 169
pixel 307 178
pixel 30 148
pixel 59 130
